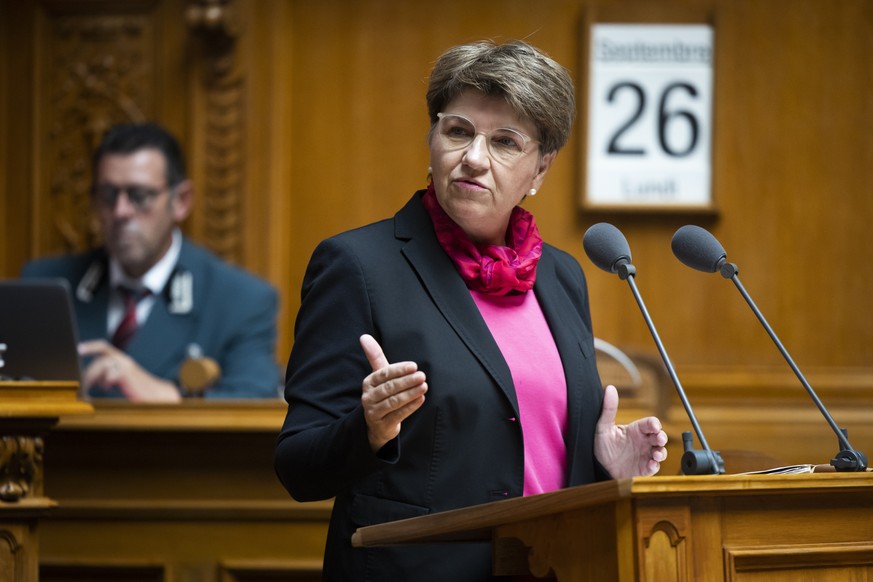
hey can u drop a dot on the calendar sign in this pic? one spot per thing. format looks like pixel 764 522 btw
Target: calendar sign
pixel 650 116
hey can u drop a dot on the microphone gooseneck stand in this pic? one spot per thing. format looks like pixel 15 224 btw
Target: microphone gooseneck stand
pixel 694 462
pixel 847 459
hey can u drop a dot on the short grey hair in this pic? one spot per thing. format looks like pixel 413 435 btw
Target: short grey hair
pixel 534 85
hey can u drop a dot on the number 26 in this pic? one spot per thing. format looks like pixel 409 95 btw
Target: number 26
pixel 665 117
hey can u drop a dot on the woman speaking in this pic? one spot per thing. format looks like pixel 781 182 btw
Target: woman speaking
pixel 444 357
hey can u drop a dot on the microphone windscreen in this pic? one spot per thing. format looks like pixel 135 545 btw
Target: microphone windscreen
pixel 605 245
pixel 698 249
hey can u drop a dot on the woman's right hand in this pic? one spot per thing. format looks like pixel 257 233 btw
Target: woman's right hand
pixel 390 394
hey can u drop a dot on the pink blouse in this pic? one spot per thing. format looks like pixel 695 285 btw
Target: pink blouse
pixel 523 336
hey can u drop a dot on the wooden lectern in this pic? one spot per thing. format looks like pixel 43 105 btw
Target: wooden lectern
pixel 814 526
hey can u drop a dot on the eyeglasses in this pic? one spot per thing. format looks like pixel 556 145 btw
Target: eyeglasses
pixel 505 145
pixel 140 197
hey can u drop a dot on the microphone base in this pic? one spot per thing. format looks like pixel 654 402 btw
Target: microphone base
pixel 849 460
pixel 700 462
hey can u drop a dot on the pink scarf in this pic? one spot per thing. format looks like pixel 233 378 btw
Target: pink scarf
pixel 492 269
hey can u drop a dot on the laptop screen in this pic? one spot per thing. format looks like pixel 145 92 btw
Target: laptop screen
pixel 38 337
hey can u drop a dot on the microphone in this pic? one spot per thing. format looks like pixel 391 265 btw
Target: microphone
pixel 699 249
pixel 607 248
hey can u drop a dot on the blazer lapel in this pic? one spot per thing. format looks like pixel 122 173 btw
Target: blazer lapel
pixel 576 357
pixel 449 293
pixel 92 300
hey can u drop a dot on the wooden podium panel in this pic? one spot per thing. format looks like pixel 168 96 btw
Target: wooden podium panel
pixel 739 528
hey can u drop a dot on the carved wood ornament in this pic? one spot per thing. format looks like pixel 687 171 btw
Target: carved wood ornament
pixel 21 463
pixel 99 74
pixel 216 24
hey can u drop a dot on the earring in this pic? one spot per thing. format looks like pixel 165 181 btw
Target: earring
pixel 533 191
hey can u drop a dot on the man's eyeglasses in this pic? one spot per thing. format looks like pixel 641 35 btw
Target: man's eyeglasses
pixel 505 145
pixel 140 197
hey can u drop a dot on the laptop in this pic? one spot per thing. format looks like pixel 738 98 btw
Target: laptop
pixel 38 335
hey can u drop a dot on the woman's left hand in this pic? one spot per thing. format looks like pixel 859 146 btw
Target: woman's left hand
pixel 631 450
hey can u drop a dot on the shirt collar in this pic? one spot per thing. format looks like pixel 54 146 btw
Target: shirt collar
pixel 155 279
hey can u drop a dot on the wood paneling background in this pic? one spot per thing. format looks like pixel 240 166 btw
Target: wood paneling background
pixel 305 118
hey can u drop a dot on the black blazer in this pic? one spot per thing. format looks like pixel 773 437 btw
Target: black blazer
pixel 464 446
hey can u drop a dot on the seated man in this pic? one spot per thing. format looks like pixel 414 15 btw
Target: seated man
pixel 150 299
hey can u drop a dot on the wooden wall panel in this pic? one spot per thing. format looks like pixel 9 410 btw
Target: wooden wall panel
pixel 4 122
pixel 791 136
pixel 793 121
pixel 270 185
pixel 16 189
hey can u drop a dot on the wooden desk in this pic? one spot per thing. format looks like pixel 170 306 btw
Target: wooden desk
pixel 176 493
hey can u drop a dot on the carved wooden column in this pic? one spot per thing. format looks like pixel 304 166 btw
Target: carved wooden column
pixel 30 410
pixel 218 123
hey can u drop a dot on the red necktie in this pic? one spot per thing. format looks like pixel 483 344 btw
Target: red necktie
pixel 125 330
